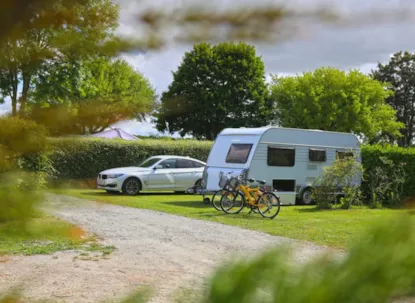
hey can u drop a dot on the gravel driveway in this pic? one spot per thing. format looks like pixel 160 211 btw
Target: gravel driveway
pixel 164 251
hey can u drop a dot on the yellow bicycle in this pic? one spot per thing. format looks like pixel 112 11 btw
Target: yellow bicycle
pixel 237 196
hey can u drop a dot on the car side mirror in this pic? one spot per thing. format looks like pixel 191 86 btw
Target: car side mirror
pixel 158 166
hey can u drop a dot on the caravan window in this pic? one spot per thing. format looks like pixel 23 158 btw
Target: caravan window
pixel 317 155
pixel 238 153
pixel 281 156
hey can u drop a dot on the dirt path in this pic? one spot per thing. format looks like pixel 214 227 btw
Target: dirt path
pixel 164 251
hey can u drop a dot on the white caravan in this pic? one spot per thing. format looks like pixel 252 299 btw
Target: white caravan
pixel 289 160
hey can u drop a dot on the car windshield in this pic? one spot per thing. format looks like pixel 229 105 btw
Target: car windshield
pixel 149 162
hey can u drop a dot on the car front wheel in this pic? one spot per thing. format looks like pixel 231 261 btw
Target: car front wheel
pixel 131 187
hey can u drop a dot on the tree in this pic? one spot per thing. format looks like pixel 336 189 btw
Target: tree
pixel 334 100
pixel 400 73
pixel 82 30
pixel 90 95
pixel 215 87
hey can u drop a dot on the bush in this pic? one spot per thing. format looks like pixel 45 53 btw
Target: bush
pixel 394 163
pixel 338 177
pixel 75 158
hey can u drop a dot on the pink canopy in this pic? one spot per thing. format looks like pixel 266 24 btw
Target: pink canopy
pixel 115 133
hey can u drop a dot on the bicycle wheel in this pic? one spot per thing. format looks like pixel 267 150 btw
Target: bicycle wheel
pixel 216 199
pixel 232 202
pixel 269 205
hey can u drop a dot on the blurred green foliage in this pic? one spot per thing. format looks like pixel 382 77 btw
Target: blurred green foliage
pixel 79 30
pixel 19 137
pixel 19 190
pixel 19 194
pixel 376 268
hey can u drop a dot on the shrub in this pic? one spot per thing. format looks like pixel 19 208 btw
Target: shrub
pixel 338 177
pixel 75 158
pixel 353 196
pixel 19 137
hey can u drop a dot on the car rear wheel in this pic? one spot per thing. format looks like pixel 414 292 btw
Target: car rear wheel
pixel 131 187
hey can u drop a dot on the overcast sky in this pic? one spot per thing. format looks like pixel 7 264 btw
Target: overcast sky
pixel 359 46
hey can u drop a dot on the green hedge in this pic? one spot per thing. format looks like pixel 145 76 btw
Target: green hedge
pixel 74 158
pixel 371 155
pixel 85 158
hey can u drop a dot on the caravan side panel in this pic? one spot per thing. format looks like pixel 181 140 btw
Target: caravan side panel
pixel 300 171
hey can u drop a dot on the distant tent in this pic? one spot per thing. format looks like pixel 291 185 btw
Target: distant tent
pixel 115 133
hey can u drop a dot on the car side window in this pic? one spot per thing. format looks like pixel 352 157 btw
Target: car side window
pixel 183 163
pixel 169 163
pixel 197 164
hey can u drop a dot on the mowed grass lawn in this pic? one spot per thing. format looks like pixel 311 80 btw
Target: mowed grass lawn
pixel 335 228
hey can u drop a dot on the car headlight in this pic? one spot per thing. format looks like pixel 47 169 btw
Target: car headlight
pixel 114 176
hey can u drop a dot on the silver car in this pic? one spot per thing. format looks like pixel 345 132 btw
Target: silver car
pixel 158 173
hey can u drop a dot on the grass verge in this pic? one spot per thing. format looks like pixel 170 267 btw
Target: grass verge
pixel 335 228
pixel 46 235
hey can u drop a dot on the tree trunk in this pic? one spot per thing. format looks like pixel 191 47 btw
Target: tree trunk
pixel 14 83
pixel 25 92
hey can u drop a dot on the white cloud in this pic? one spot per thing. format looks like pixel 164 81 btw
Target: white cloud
pixel 157 66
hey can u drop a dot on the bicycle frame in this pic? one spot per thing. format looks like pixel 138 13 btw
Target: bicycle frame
pixel 247 191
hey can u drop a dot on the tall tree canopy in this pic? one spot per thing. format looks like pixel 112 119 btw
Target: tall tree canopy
pixel 334 100
pixel 80 30
pixel 215 87
pixel 90 95
pixel 399 72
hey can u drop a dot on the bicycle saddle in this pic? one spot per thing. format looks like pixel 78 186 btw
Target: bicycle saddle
pixel 251 180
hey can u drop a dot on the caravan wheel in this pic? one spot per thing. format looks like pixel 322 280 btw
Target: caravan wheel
pixel 307 197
